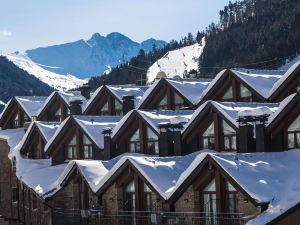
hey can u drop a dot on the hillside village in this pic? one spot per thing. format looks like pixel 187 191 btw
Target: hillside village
pixel 179 151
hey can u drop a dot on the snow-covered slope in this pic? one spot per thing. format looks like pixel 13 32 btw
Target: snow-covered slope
pixel 57 81
pixel 178 61
pixel 289 63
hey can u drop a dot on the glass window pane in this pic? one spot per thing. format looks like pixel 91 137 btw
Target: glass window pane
pixel 151 135
pixel 230 187
pixel 104 107
pixel 205 143
pixel 147 189
pixel 233 143
pixel 178 99
pixel 291 140
pixel 227 129
pixel 135 136
pixel 130 187
pixel 295 126
pixel 118 105
pixel 228 94
pixel 227 142
pixel 211 186
pixel 86 140
pixel 244 91
pixel 210 130
pixel 73 140
pixel 163 103
pixel 58 112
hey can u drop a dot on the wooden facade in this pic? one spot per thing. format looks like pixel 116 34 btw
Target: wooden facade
pixel 165 96
pixel 210 130
pixel 71 143
pixel 230 88
pixel 14 116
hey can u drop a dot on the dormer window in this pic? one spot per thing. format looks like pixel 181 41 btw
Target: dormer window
pixel 209 202
pixel 134 142
pixel 87 148
pixel 130 197
pixel 152 142
pixel 228 94
pixel 58 115
pixel 178 101
pixel 245 93
pixel 208 139
pixel 118 108
pixel 71 148
pixel 16 121
pixel 163 104
pixel 229 137
pixel 104 110
pixel 293 134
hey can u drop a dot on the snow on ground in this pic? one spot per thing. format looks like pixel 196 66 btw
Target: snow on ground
pixel 57 81
pixel 177 61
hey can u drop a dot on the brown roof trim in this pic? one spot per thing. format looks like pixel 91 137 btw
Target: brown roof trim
pixel 206 161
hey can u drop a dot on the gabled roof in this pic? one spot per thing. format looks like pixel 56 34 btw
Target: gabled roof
pixel 119 91
pixel 66 96
pixel 47 129
pixel 232 110
pixel 30 104
pixel 156 117
pixel 91 125
pixel 190 89
pixel 12 136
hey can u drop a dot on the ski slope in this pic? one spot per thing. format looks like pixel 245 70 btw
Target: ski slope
pixel 176 62
pixel 57 81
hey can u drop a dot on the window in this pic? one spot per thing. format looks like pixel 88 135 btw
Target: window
pixel 229 137
pixel 71 149
pixel 245 93
pixel 209 202
pixel 228 94
pixel 34 201
pixel 178 101
pixel 152 142
pixel 163 104
pixel 15 196
pixel 118 108
pixel 87 148
pixel 104 110
pixel 129 203
pixel 58 115
pixel 208 140
pixel 294 134
pixel 232 198
pixel 134 142
pixel 147 198
pixel 16 121
pixel 14 165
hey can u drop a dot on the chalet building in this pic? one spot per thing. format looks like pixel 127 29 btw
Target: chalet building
pixel 214 125
pixel 146 132
pixel 246 85
pixel 111 100
pixel 35 139
pixel 59 104
pixel 79 137
pixel 19 110
pixel 173 94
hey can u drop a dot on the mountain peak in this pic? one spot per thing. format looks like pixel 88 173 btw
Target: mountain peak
pixel 96 36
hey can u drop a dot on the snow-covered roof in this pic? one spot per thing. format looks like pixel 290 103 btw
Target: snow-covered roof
pixel 156 117
pixel 67 97
pixel 30 104
pixel 12 136
pixel 267 177
pixel 262 83
pixel 233 110
pixel 119 91
pixel 92 126
pixel 191 89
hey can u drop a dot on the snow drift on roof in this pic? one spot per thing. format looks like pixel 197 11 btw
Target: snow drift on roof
pixel 13 136
pixel 31 104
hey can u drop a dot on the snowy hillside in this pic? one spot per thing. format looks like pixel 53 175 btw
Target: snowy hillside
pixel 57 81
pixel 289 63
pixel 178 61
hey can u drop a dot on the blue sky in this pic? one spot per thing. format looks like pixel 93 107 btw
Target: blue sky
pixel 35 23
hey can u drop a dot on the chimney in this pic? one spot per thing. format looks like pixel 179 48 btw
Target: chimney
pixel 85 91
pixel 169 140
pixel 108 145
pixel 261 137
pixel 75 107
pixel 128 103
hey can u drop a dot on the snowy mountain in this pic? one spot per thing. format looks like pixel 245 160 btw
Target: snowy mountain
pixel 57 81
pixel 176 62
pixel 86 58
